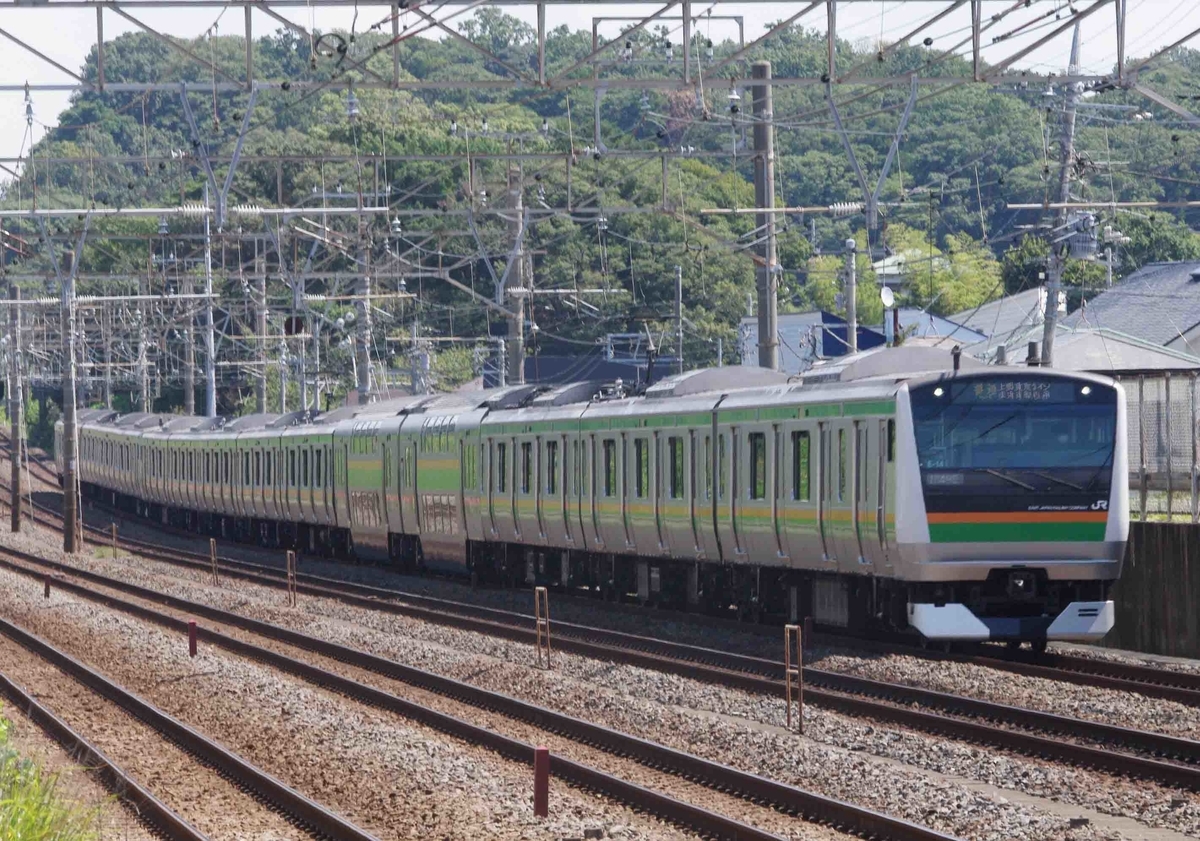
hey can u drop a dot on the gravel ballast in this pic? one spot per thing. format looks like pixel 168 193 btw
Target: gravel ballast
pixel 878 767
pixel 392 778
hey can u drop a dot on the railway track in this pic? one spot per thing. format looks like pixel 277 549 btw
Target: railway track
pixel 149 809
pixel 1164 759
pixel 788 799
pixel 1166 684
pixel 298 809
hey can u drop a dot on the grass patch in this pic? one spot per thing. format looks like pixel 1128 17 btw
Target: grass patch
pixel 32 808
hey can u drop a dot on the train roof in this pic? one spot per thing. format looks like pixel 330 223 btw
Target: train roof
pixel 874 373
pixel 896 363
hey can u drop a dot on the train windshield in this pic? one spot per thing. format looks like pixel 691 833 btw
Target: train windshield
pixel 1015 435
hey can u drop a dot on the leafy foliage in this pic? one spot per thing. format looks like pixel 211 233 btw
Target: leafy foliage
pixel 968 151
pixel 32 807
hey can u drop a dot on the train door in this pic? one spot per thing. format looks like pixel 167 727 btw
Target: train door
pixel 863 514
pixel 843 503
pixel 490 478
pixel 678 507
pixel 825 495
pixel 884 505
pixel 391 515
pixel 777 489
pixel 735 489
pixel 565 486
pixel 540 466
pixel 514 476
pixel 623 486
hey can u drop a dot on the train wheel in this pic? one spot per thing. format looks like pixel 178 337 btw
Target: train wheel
pixel 1039 646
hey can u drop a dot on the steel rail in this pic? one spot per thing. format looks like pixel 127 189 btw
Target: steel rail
pixel 147 808
pixel 1166 684
pixel 301 809
pixel 1169 685
pixel 749 786
pixel 847 694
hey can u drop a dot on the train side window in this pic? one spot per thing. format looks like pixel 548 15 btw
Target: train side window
pixel 551 467
pixel 610 467
pixel 246 467
pixel 801 457
pixel 257 469
pixel 841 485
pixel 641 464
pixel 291 468
pixel 891 440
pixel 675 452
pixel 574 480
pixel 526 466
pixel 708 467
pixel 267 462
pixel 721 466
pixel 502 467
pixel 304 468
pixel 861 477
pixel 758 465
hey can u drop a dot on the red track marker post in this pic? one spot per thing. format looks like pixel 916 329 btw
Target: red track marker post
pixel 541 782
pixel 191 637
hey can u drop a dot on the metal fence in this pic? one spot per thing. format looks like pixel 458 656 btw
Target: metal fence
pixel 1164 453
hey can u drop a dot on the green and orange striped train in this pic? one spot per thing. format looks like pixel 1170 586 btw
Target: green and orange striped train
pixel 894 489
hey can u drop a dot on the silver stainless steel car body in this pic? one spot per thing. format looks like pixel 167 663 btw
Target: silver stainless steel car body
pixel 726 486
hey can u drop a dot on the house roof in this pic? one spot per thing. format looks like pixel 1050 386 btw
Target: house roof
pixel 1158 303
pixel 921 324
pixel 1005 315
pixel 1096 349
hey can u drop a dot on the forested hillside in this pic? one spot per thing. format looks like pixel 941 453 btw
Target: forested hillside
pixel 967 151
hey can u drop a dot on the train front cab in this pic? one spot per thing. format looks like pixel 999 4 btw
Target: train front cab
pixel 1012 504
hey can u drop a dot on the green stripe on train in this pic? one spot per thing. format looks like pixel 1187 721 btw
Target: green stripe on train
pixel 1015 532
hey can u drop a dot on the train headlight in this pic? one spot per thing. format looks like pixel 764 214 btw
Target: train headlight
pixel 939 391
pixel 1086 390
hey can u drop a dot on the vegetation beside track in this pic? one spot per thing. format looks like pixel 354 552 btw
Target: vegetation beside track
pixel 33 806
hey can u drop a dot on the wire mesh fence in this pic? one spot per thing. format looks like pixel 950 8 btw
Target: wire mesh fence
pixel 1164 463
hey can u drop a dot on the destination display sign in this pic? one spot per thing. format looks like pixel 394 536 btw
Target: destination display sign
pixel 1016 390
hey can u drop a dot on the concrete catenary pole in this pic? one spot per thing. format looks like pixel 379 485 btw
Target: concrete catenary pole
pixel 851 297
pixel 143 350
pixel 106 330
pixel 764 197
pixel 70 442
pixel 363 334
pixel 678 317
pixel 260 327
pixel 516 278
pixel 16 404
pixel 1054 266
pixel 189 348
pixel 210 340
